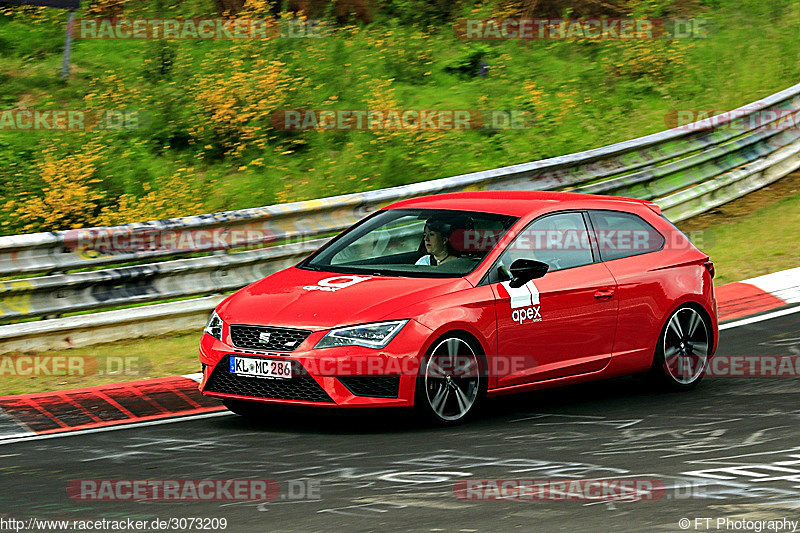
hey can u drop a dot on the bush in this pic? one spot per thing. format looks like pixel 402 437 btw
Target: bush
pixel 66 196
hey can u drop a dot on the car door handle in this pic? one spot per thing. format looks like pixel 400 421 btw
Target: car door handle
pixel 604 294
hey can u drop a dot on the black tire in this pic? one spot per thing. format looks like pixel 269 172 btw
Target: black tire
pixel 452 380
pixel 682 353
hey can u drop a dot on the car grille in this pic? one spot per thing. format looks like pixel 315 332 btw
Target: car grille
pixel 280 339
pixel 374 386
pixel 301 387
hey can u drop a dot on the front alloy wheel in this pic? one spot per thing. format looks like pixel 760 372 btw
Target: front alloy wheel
pixel 451 381
pixel 683 350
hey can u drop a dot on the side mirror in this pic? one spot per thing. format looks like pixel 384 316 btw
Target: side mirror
pixel 524 270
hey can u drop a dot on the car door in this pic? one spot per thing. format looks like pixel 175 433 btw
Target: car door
pixel 626 243
pixel 563 323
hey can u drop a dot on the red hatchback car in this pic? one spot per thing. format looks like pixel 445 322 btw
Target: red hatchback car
pixel 437 302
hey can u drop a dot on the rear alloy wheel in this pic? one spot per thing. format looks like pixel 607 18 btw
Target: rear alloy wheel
pixel 682 353
pixel 451 382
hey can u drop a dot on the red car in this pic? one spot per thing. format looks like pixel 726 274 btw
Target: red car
pixel 438 302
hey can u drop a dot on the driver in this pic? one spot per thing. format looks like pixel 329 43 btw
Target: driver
pixel 436 239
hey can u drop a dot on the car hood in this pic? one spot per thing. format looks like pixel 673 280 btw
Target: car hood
pixel 310 299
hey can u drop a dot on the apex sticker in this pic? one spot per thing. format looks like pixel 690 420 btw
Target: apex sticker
pixel 525 304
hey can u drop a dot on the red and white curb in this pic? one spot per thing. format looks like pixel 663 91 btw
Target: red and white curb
pixel 102 406
pixel 757 295
pixel 158 401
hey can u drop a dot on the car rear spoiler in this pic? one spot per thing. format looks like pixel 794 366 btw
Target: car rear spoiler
pixel 653 206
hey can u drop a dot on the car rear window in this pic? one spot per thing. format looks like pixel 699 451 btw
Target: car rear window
pixel 621 234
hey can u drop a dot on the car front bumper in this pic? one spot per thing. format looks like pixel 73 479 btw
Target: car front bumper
pixel 346 376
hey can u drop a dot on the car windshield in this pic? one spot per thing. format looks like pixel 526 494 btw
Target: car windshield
pixel 413 243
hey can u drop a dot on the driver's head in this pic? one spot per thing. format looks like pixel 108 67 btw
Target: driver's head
pixel 436 237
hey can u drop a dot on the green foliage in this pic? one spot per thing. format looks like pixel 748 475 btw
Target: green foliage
pixel 208 106
pixel 471 60
pixel 420 12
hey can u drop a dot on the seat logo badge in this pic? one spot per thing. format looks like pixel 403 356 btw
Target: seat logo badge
pixel 335 283
pixel 263 338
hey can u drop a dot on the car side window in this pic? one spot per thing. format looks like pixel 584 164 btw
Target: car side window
pixel 621 234
pixel 399 236
pixel 560 240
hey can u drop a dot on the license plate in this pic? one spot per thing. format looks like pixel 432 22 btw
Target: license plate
pixel 261 368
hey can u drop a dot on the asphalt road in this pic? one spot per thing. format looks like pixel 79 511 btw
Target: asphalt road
pixel 381 471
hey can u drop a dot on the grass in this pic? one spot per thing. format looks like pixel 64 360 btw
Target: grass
pixel 771 244
pixel 100 364
pixel 583 95
pixel 754 235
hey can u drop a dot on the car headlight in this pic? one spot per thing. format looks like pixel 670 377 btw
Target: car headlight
pixel 214 326
pixel 375 335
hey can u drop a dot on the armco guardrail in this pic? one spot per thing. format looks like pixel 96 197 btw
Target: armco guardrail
pixel 686 171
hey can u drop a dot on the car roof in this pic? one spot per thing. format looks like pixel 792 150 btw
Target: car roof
pixel 520 203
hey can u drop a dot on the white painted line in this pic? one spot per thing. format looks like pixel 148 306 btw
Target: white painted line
pixel 115 428
pixel 17 436
pixel 198 377
pixel 760 318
